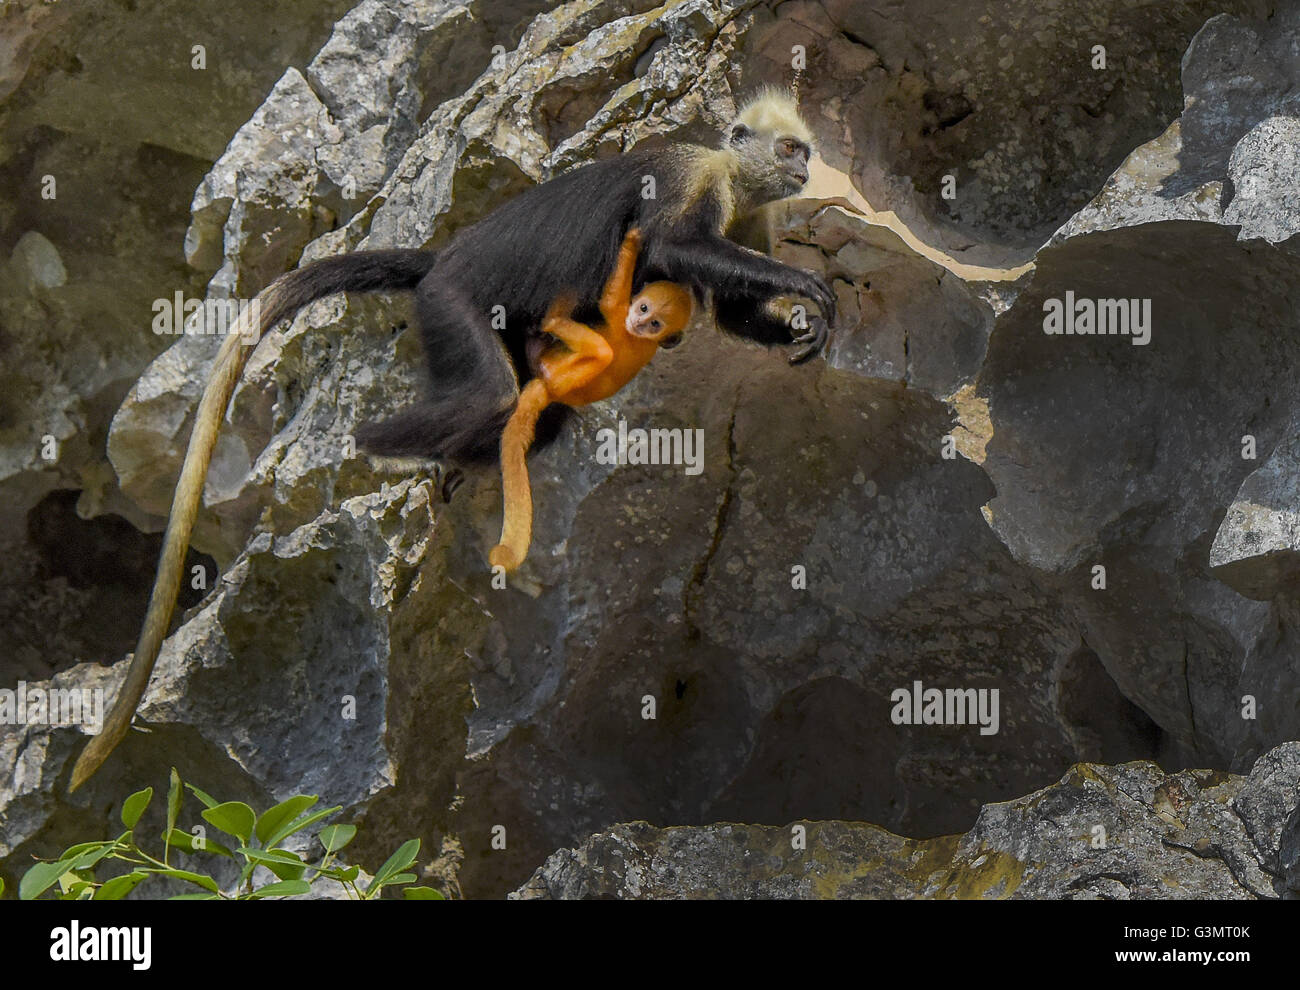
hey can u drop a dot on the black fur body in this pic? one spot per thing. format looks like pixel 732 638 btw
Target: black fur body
pixel 562 237
pixel 559 238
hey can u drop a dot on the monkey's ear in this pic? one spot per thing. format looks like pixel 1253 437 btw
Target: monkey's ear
pixel 739 133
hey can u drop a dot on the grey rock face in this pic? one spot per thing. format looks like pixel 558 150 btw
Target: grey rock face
pixel 1106 454
pixel 1257 549
pixel 833 549
pixel 1115 833
pixel 1014 101
pixel 1263 170
pixel 104 133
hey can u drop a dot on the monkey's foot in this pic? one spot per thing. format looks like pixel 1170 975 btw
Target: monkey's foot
pixel 812 342
pixel 452 480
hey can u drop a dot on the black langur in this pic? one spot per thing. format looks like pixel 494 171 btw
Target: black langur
pixel 559 238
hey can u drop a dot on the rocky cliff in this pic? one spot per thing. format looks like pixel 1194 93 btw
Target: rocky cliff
pixel 1102 529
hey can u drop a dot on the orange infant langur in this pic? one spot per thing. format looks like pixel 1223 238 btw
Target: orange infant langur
pixel 589 364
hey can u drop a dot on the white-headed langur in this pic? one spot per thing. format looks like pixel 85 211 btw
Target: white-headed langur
pixel 558 239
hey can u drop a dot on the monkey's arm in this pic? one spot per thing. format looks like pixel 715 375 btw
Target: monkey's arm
pixel 736 273
pixel 617 296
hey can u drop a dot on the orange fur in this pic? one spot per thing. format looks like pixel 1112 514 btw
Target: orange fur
pixel 589 364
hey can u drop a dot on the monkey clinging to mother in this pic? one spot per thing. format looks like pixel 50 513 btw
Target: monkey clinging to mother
pixel 560 238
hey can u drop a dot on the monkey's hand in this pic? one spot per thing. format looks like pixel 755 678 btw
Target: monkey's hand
pixel 813 286
pixel 812 342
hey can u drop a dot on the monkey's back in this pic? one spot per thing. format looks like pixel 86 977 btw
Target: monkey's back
pixel 561 236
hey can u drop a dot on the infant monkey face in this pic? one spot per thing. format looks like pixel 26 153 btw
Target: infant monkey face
pixel 659 312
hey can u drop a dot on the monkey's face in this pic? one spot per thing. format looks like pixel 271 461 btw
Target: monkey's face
pixel 659 311
pixel 791 156
pixel 772 144
pixel 775 163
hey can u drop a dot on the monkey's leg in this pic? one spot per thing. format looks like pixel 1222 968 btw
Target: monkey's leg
pixel 566 374
pixel 517 514
pixel 587 345
pixel 617 295
pixel 473 378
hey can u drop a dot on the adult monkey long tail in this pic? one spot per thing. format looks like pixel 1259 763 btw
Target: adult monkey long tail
pixel 560 237
pixel 359 272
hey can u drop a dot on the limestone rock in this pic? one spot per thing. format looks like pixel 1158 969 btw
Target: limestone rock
pixel 923 509
pixel 1108 833
pixel 1257 548
pixel 1115 454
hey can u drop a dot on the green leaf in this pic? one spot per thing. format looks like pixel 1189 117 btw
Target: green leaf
pixel 194 897
pixel 73 851
pixel 335 837
pixel 133 807
pixel 204 881
pixel 282 814
pixel 185 842
pixel 396 863
pixel 119 887
pixel 90 857
pixel 207 799
pixel 297 826
pixel 402 878
pixel 284 864
pixel 422 894
pixel 271 855
pixel 2 886
pixel 85 854
pixel 234 817
pixel 175 794
pixel 339 873
pixel 285 888
pixel 285 872
pixel 40 878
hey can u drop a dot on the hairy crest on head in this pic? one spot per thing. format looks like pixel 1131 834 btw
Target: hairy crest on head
pixel 558 238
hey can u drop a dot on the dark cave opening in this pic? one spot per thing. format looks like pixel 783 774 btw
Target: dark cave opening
pixel 78 588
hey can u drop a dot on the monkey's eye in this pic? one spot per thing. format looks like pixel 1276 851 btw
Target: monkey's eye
pixel 644 308
pixel 790 147
pixel 656 324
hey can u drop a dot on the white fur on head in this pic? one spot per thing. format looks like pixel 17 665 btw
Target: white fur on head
pixel 773 111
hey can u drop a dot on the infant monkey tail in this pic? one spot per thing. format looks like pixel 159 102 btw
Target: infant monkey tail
pixel 505 558
pixel 517 513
